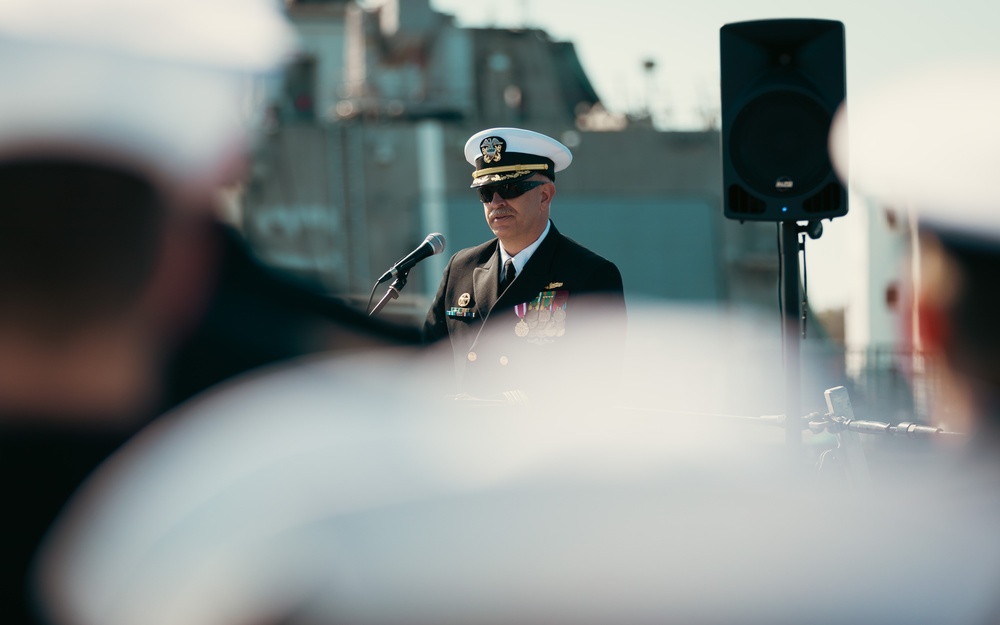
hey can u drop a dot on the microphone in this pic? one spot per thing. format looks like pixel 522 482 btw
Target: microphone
pixel 433 244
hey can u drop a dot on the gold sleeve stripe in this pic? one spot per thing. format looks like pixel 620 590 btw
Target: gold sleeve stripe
pixel 507 168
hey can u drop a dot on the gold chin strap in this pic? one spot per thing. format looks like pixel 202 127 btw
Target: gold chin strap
pixel 509 168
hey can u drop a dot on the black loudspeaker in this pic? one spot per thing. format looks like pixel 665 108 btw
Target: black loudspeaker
pixel 782 81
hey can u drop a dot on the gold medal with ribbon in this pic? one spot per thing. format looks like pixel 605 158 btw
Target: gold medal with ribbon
pixel 521 328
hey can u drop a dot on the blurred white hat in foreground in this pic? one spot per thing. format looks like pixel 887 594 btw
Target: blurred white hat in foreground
pixel 928 141
pixel 161 84
pixel 316 493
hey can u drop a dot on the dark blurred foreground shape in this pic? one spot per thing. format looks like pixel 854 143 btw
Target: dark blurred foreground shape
pixel 78 248
pixel 258 315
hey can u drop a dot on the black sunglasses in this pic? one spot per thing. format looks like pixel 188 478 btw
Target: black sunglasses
pixel 508 190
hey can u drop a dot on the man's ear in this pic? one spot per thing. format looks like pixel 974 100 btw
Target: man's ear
pixel 548 192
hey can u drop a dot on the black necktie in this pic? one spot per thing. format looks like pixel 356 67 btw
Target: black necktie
pixel 508 274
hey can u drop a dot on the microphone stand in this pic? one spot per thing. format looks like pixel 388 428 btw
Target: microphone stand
pixel 391 293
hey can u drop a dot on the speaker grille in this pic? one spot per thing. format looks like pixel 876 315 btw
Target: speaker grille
pixel 741 202
pixel 778 143
pixel 830 198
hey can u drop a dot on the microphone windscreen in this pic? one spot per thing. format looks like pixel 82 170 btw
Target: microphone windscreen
pixel 436 239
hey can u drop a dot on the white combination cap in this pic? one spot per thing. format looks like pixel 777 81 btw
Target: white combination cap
pixel 928 141
pixel 164 84
pixel 506 154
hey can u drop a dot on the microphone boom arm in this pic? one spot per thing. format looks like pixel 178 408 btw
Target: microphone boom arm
pixel 391 293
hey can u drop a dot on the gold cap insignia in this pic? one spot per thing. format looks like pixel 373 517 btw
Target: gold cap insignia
pixel 464 299
pixel 492 149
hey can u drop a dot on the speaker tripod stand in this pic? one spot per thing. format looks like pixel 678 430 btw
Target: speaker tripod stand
pixel 793 317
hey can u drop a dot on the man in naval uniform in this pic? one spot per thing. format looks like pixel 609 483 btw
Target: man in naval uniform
pixel 512 305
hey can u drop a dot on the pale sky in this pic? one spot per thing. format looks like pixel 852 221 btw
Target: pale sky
pixel 613 38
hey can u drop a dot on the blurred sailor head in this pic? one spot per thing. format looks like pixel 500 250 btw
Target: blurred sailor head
pixel 119 120
pixel 158 86
pixel 926 143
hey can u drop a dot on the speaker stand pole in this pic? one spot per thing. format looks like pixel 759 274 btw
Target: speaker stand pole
pixel 791 328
